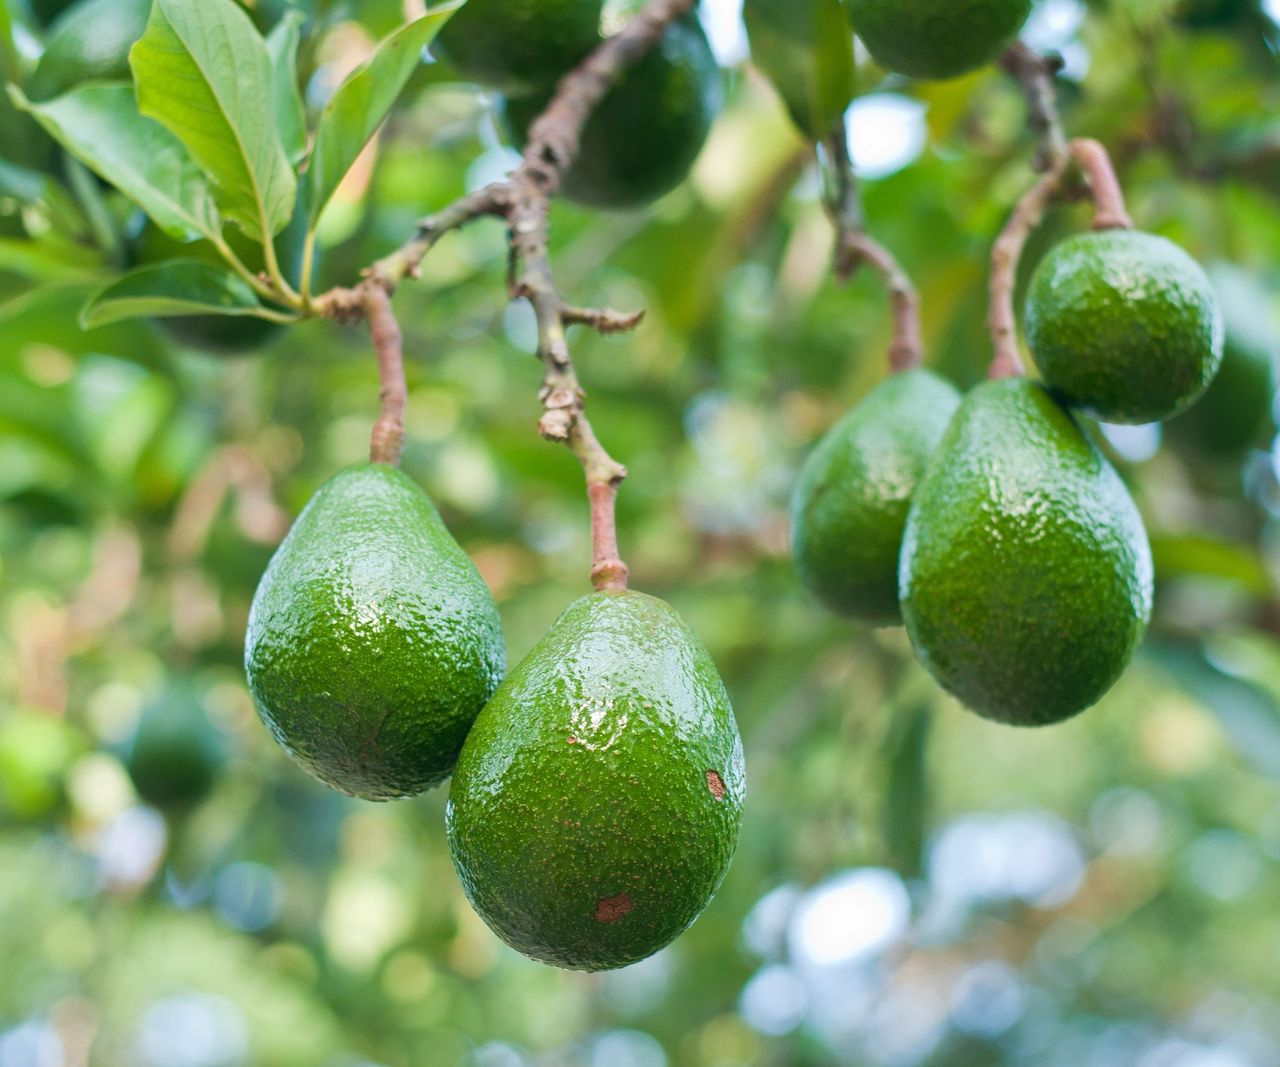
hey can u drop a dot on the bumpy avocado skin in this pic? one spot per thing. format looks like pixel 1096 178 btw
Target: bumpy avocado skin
pixel 850 504
pixel 1236 411
pixel 1124 325
pixel 596 804
pixel 373 642
pixel 642 140
pixel 90 41
pixel 520 47
pixel 937 38
pixel 1026 571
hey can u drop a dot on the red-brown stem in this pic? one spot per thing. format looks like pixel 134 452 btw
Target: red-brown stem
pixel 608 572
pixel 387 439
pixel 1109 212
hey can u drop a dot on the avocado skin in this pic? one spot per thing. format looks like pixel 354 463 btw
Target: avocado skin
pixel 90 41
pixel 373 642
pixel 850 504
pixel 581 818
pixel 522 47
pixel 176 753
pixel 1124 325
pixel 641 141
pixel 937 38
pixel 1236 411
pixel 1026 571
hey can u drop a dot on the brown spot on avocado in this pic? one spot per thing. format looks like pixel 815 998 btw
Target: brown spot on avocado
pixel 716 784
pixel 611 909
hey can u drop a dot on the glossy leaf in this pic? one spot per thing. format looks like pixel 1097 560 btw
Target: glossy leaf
pixel 175 287
pixel 362 102
pixel 200 70
pixel 291 116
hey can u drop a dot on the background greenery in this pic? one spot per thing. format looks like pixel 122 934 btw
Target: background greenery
pixel 914 885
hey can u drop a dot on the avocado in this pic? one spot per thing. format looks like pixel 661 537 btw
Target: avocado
pixel 850 504
pixel 1236 411
pixel 1026 572
pixel 176 753
pixel 521 47
pixel 937 38
pixel 1124 325
pixel 90 41
pixel 373 642
pixel 596 804
pixel 644 137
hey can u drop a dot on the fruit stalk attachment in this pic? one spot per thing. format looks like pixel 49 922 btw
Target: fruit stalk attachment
pixel 854 247
pixel 387 439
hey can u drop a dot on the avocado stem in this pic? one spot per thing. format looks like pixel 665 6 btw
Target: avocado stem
pixel 608 572
pixel 1109 212
pixel 387 439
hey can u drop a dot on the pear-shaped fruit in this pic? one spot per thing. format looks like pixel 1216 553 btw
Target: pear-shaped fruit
pixel 1124 325
pixel 596 804
pixel 176 753
pixel 373 642
pixel 937 38
pixel 641 141
pixel 1026 571
pixel 850 504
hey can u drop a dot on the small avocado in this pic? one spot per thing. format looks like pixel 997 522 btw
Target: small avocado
pixel 1236 411
pixel 1124 325
pixel 596 804
pixel 176 753
pixel 644 137
pixel 850 504
pixel 520 47
pixel 1026 571
pixel 373 642
pixel 90 41
pixel 937 38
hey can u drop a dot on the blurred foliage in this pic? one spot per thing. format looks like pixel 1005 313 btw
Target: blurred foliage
pixel 914 885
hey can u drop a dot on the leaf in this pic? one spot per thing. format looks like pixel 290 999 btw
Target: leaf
pixel 175 287
pixel 805 48
pixel 1181 556
pixel 203 71
pixel 291 116
pixel 101 126
pixel 358 108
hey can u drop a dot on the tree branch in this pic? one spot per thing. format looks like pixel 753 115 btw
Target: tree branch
pixel 854 247
pixel 1035 73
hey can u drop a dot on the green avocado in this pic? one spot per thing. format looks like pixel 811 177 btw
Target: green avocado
pixel 373 642
pixel 90 41
pixel 937 38
pixel 1235 412
pixel 596 804
pixel 176 753
pixel 850 504
pixel 1026 571
pixel 1124 325
pixel 644 137
pixel 521 47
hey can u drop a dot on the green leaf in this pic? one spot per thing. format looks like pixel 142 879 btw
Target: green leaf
pixel 175 287
pixel 1182 556
pixel 100 125
pixel 291 116
pixel 203 71
pixel 357 109
pixel 805 48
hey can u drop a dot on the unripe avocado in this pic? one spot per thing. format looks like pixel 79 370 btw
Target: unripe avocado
pixel 1236 411
pixel 1124 325
pixel 373 642
pixel 90 41
pixel 937 38
pixel 1026 571
pixel 641 141
pixel 521 47
pixel 596 804
pixel 850 504
pixel 176 753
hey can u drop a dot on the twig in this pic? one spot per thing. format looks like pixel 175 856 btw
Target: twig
pixel 854 247
pixel 1109 212
pixel 1035 73
pixel 387 439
